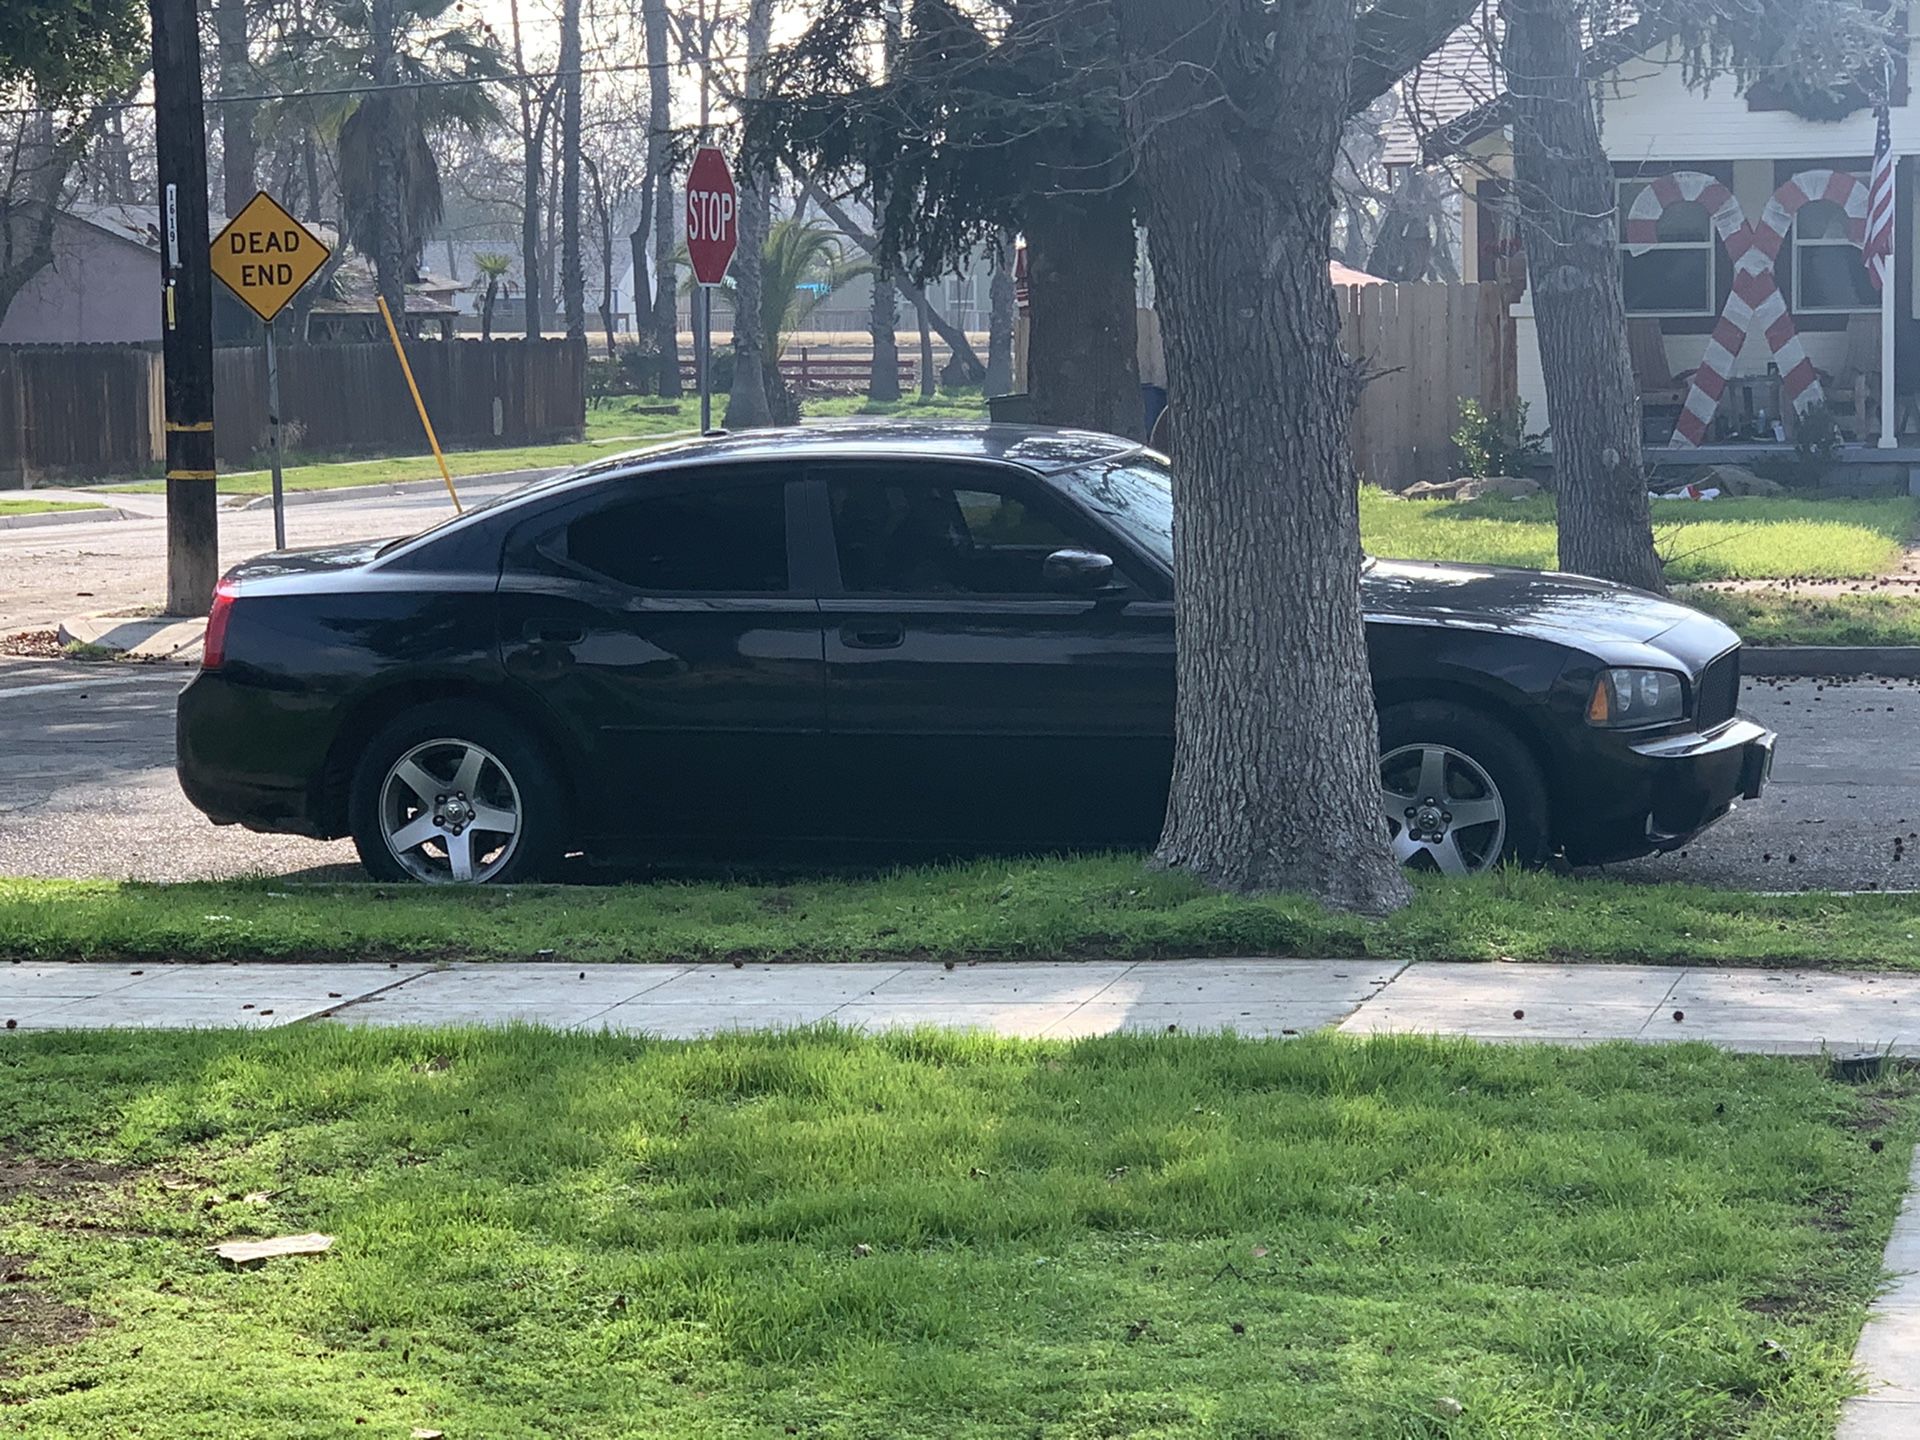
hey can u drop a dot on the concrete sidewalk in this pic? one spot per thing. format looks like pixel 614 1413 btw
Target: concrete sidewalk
pixel 1759 1011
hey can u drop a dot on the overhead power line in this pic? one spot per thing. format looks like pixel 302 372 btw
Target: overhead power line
pixel 262 96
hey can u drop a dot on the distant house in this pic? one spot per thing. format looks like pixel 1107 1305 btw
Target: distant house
pixel 103 285
pixel 1712 183
pixel 350 312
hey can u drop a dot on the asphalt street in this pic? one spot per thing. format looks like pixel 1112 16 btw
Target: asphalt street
pixel 87 789
pixel 86 750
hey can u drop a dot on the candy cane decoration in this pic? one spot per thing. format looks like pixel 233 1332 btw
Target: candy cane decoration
pixel 1755 295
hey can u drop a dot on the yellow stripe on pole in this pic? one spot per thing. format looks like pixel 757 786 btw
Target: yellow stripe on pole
pixel 418 403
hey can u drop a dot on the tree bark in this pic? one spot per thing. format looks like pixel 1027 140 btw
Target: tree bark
pixel 1564 183
pixel 1083 361
pixel 573 277
pixel 390 259
pixel 1236 118
pixel 239 149
pixel 928 381
pixel 747 406
pixel 531 143
pixel 883 322
pixel 1000 319
pixel 666 304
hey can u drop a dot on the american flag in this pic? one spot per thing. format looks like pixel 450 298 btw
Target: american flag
pixel 1878 250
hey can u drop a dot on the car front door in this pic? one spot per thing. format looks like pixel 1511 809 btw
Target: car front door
pixel 659 620
pixel 983 687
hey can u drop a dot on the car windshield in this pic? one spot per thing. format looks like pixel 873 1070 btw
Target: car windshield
pixel 1135 494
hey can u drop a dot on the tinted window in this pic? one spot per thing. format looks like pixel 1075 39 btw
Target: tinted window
pixel 934 537
pixel 729 540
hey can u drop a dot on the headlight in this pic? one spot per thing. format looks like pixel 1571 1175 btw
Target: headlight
pixel 1625 699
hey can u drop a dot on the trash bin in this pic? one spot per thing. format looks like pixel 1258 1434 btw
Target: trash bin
pixel 1014 409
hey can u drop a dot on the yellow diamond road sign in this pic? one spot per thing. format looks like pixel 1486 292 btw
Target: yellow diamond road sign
pixel 265 255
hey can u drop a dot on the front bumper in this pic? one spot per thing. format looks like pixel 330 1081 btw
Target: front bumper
pixel 1672 787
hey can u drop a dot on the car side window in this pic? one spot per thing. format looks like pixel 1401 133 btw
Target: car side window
pixel 909 536
pixel 723 539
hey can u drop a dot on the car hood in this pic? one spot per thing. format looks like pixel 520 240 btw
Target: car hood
pixel 1566 609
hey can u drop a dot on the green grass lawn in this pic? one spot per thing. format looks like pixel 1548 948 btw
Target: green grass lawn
pixel 1771 617
pixel 622 423
pixel 36 506
pixel 1711 540
pixel 824 1235
pixel 1102 906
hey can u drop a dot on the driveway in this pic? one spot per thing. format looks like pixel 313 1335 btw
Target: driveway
pixel 87 789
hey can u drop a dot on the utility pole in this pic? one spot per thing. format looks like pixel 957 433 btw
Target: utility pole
pixel 180 137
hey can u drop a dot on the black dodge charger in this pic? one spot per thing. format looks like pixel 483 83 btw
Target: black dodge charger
pixel 911 637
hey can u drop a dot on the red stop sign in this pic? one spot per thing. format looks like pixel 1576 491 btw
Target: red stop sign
pixel 713 216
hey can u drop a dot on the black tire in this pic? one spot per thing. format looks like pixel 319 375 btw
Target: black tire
pixel 1496 750
pixel 542 800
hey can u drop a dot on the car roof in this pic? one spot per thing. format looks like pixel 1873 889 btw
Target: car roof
pixel 1042 450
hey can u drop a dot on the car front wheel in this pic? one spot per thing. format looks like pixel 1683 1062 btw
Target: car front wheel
pixel 454 794
pixel 1461 793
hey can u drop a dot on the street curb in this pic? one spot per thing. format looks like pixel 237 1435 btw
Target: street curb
pixel 1832 661
pixel 142 631
pixel 57 517
pixel 401 487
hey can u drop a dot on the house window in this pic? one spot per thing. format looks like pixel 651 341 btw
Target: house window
pixel 1829 277
pixel 1676 276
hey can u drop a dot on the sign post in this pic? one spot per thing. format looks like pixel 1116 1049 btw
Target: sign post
pixel 713 234
pixel 264 256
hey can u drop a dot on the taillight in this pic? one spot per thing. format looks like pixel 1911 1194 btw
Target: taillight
pixel 214 653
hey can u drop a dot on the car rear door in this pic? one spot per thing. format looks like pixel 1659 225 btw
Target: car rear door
pixel 659 620
pixel 969 702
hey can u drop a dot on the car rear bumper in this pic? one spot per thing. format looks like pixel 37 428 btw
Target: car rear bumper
pixel 228 756
pixel 1669 789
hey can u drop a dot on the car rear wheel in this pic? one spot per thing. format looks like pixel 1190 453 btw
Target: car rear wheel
pixel 455 794
pixel 1460 791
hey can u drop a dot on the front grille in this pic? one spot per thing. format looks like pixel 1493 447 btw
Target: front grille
pixel 1719 691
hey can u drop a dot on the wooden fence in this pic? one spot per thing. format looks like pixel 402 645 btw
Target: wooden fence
pixel 97 411
pixel 79 410
pixel 1427 348
pixel 353 397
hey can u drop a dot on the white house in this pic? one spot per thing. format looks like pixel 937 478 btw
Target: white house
pixel 1714 185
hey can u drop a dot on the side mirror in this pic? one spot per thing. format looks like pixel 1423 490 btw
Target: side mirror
pixel 1077 572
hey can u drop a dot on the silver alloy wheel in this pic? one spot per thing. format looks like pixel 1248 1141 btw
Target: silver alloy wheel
pixel 450 813
pixel 1444 810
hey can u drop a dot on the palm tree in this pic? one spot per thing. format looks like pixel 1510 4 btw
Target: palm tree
pixel 494 266
pixel 433 44
pixel 801 265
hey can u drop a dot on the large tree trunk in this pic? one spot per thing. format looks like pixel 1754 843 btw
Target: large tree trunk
pixel 747 406
pixel 390 259
pixel 573 275
pixel 883 323
pixel 239 150
pixel 1276 782
pixel 666 304
pixel 1000 319
pixel 1565 187
pixel 928 381
pixel 1083 361
pixel 532 134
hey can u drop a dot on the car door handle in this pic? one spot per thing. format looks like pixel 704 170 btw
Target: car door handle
pixel 874 635
pixel 554 632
